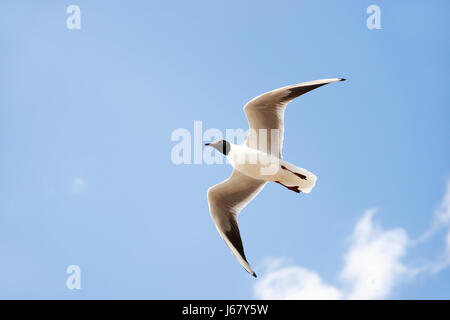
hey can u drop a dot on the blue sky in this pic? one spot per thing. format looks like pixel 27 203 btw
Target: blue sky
pixel 86 118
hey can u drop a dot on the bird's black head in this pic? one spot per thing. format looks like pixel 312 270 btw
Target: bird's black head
pixel 220 145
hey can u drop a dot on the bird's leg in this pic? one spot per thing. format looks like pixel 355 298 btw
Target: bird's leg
pixel 301 176
pixel 295 188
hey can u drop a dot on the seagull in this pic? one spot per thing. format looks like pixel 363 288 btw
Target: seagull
pixel 256 162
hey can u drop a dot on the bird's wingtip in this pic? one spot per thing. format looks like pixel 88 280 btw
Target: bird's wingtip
pixel 342 79
pixel 254 274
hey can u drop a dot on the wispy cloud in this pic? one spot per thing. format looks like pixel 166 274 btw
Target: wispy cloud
pixel 78 185
pixel 441 217
pixel 373 264
pixel 442 220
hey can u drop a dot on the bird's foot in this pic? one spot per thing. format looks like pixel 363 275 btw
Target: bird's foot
pixel 301 176
pixel 294 188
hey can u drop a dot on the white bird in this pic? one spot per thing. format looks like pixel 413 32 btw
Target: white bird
pixel 257 161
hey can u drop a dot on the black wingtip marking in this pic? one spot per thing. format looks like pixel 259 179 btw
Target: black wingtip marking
pixel 342 79
pixel 254 274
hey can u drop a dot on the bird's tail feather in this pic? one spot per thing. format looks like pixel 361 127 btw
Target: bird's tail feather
pixel 301 178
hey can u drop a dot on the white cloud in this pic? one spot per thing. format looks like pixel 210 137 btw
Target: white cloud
pixel 372 268
pixel 294 283
pixel 373 262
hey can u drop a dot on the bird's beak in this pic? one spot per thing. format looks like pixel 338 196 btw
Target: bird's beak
pixel 207 144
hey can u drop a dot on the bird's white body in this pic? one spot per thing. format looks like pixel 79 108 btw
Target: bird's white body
pixel 262 166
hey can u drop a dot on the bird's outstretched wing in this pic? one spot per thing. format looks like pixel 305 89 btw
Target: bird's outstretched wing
pixel 267 112
pixel 226 200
